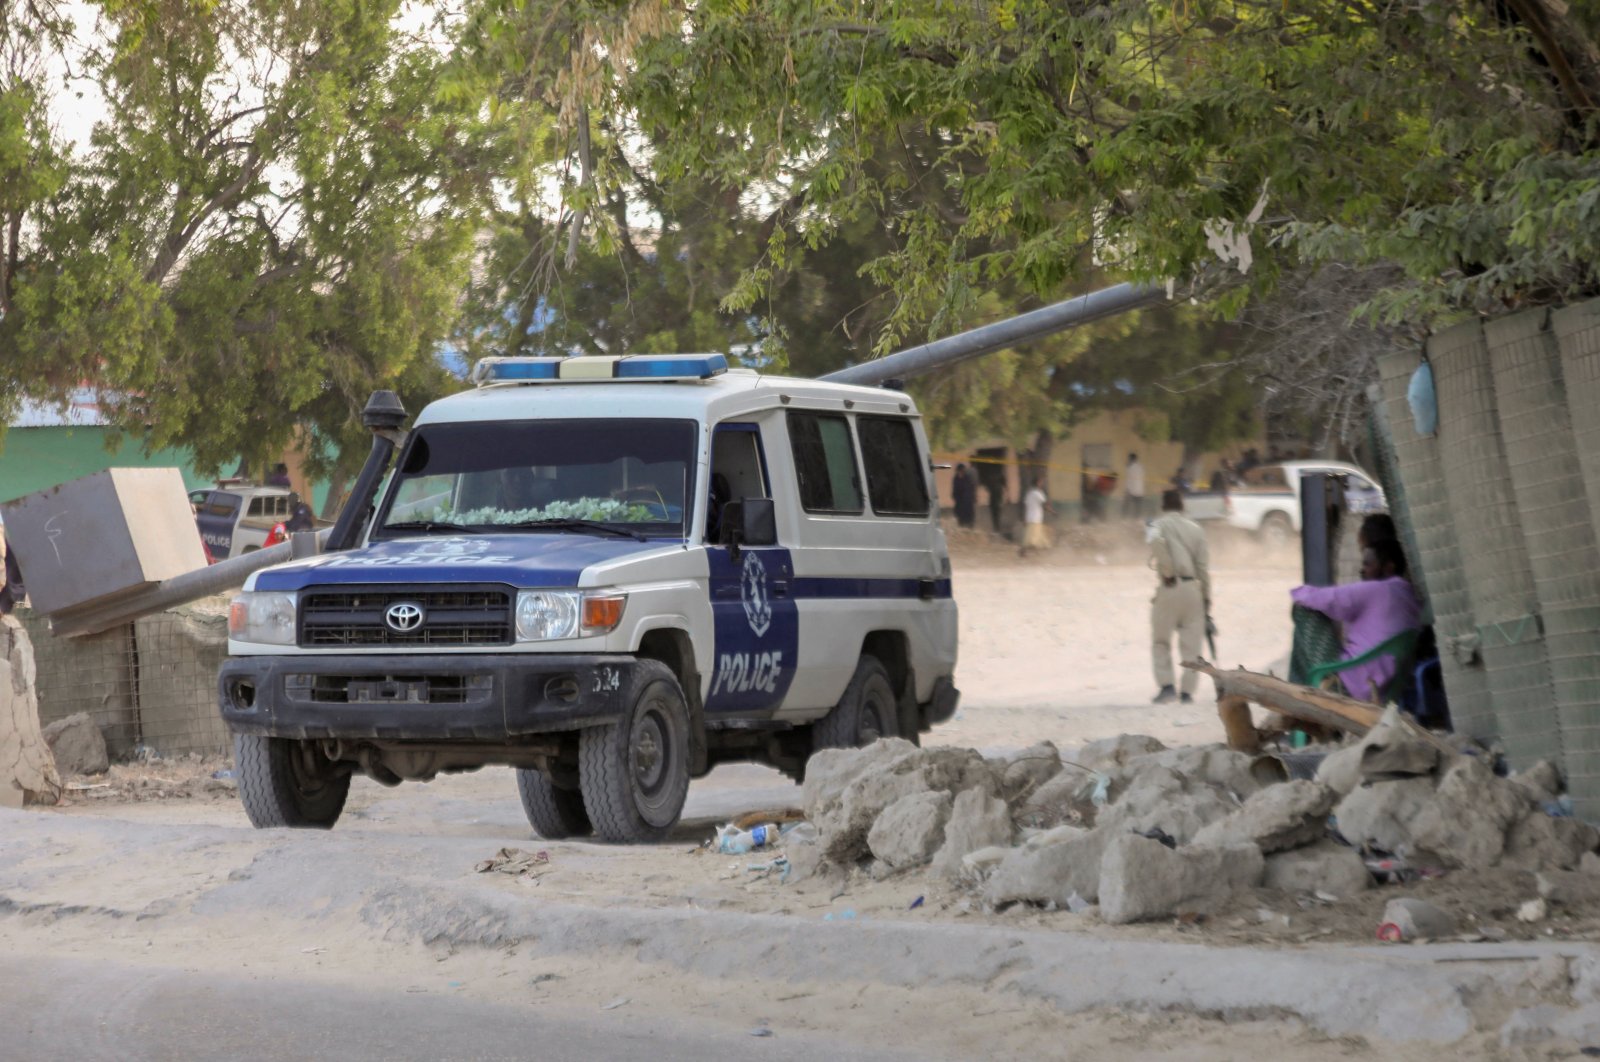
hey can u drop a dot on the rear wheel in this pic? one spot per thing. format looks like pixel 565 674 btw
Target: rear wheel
pixel 554 813
pixel 1276 530
pixel 634 773
pixel 288 783
pixel 866 712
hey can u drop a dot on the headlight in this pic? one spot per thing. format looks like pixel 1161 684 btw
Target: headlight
pixel 548 615
pixel 264 618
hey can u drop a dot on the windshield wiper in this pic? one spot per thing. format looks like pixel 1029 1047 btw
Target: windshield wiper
pixel 569 524
pixel 429 525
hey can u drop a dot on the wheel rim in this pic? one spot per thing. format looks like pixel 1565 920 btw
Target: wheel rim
pixel 652 759
pixel 874 717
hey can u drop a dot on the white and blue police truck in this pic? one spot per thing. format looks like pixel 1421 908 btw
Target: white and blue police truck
pixel 612 574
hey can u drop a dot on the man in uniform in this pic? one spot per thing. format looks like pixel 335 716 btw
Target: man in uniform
pixel 1183 596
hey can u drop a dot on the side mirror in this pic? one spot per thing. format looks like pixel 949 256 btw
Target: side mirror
pixel 758 522
pixel 749 522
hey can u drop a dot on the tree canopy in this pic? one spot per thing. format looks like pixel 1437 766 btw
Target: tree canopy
pixel 285 204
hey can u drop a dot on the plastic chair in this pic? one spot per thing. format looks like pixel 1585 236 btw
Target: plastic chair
pixel 1403 647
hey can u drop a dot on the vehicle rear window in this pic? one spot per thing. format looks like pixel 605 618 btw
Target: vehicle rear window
pixel 825 463
pixel 896 483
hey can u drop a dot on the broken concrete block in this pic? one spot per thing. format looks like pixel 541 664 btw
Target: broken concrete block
pixel 1540 842
pixel 78 745
pixel 1275 819
pixel 977 866
pixel 830 771
pixel 1023 772
pixel 1051 868
pixel 910 830
pixel 844 823
pixel 1161 798
pixel 1327 867
pixel 1466 823
pixel 1115 751
pixel 1063 799
pixel 1539 783
pixel 1142 879
pixel 1569 887
pixel 1418 919
pixel 1340 770
pixel 977 821
pixel 1391 749
pixel 1381 814
pixel 1214 765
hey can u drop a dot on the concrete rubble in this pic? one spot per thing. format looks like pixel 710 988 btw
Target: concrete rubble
pixel 1150 832
pixel 77 745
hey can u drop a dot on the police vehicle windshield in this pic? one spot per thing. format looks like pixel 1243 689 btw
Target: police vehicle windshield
pixel 598 476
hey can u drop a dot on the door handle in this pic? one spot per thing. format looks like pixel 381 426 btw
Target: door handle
pixel 927 588
pixel 780 588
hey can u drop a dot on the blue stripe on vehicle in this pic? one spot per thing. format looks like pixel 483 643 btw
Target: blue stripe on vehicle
pixel 812 588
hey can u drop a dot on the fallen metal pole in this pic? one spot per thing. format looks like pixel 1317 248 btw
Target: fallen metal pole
pixel 986 339
pixel 218 578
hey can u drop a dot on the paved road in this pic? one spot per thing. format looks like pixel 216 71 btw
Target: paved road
pixel 88 1011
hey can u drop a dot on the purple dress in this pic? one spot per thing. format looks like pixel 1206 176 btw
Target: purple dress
pixel 1372 612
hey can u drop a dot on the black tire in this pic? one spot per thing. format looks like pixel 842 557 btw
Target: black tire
pixel 288 783
pixel 867 711
pixel 634 774
pixel 1276 530
pixel 554 813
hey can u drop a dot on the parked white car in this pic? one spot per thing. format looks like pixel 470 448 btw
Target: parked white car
pixel 1268 503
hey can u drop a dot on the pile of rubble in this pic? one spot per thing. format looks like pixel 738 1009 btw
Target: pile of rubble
pixel 1145 832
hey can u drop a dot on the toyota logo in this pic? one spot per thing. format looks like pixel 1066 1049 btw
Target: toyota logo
pixel 403 616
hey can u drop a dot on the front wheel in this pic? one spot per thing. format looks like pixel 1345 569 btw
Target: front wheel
pixel 634 773
pixel 1276 530
pixel 866 712
pixel 554 813
pixel 288 783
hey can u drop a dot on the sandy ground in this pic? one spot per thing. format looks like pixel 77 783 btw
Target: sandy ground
pixel 1054 647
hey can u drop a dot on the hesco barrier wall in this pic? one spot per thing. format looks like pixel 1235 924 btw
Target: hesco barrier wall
pixel 150 683
pixel 1488 530
pixel 1421 509
pixel 1577 331
pixel 1561 540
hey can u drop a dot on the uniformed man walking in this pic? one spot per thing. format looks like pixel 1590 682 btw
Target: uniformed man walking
pixel 1183 596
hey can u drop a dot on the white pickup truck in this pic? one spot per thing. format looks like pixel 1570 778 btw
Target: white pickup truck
pixel 1268 502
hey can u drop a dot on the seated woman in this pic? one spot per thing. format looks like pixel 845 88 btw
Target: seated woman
pixel 1380 606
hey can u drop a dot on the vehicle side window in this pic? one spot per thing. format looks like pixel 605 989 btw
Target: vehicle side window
pixel 738 471
pixel 219 504
pixel 256 507
pixel 825 463
pixel 896 482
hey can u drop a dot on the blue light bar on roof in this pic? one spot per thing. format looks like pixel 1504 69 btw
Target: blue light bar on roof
pixel 597 368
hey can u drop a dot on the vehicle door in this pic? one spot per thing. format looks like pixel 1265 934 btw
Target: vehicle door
pixel 216 518
pixel 756 629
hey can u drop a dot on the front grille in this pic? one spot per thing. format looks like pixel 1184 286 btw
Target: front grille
pixel 408 689
pixel 353 617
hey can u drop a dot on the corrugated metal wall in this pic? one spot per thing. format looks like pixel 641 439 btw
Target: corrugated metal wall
pixel 1422 511
pixel 1556 524
pixel 1494 561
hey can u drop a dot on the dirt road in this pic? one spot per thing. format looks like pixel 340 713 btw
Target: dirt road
pixel 171 929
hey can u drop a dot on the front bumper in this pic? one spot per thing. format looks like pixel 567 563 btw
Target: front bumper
pixel 489 698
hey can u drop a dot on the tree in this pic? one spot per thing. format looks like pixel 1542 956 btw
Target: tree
pixel 273 218
pixel 1457 140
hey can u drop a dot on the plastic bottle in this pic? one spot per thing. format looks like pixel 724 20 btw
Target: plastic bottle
pixel 733 841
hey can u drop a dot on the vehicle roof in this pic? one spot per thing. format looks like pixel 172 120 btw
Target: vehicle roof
pixel 1320 464
pixel 733 392
pixel 247 492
